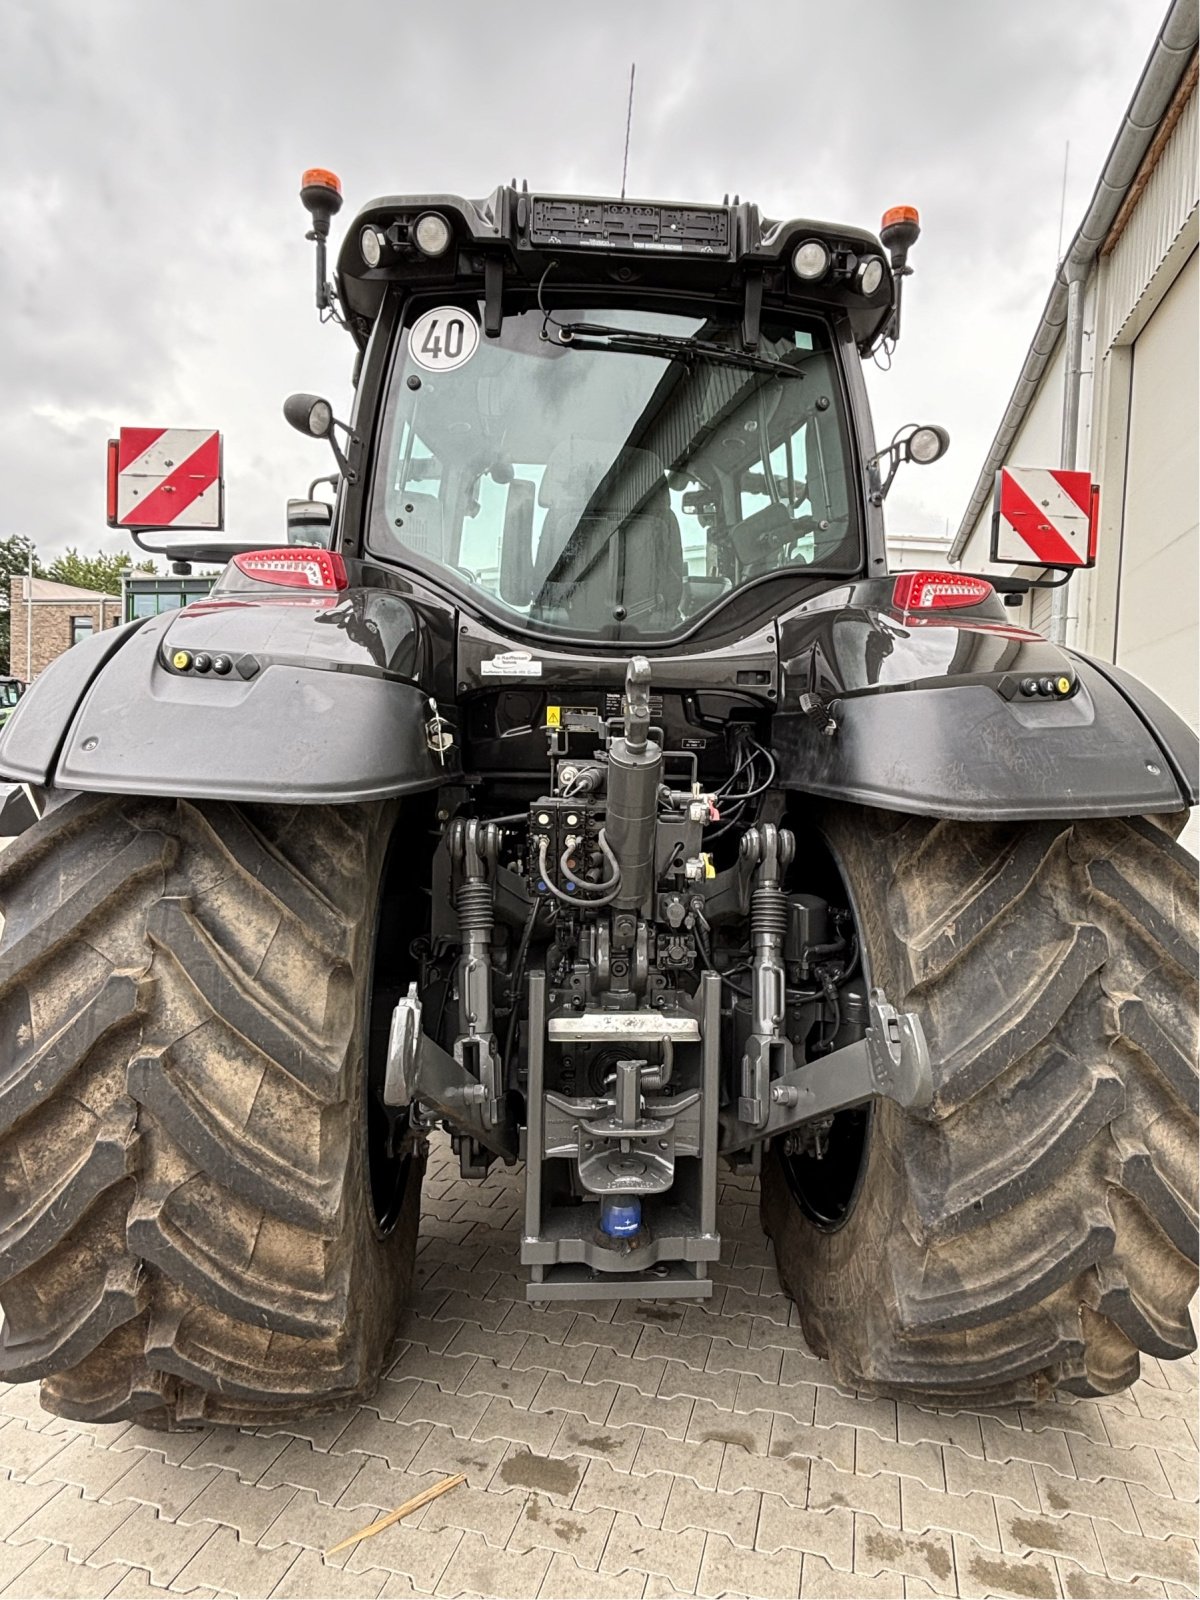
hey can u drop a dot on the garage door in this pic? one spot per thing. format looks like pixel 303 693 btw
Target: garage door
pixel 1158 638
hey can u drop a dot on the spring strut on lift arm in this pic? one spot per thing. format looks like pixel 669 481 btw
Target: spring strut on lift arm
pixel 474 848
pixel 768 1049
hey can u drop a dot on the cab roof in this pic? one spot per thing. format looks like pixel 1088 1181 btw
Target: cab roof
pixel 722 251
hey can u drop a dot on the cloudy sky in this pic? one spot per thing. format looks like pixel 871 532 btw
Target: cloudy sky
pixel 153 268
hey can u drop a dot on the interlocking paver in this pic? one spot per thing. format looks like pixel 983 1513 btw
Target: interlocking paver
pixel 308 1524
pixel 377 1484
pixel 24 1450
pixel 310 1578
pixel 226 1501
pixel 833 1406
pixel 726 1356
pixel 413 1553
pixel 499 1574
pixel 921 1461
pixel 733 1514
pixel 1014 1479
pixel 484 1511
pixel 1108 1498
pixel 826 1533
pixel 878 1494
pixel 785 1476
pixel 644 1497
pixel 926 1510
pixel 673 1556
pixel 237 1567
pixel 78 1524
pixel 591 1400
pixel 503 1420
pixel 394 1442
pixel 1136 1464
pixel 1071 1535
pixel 682 1381
pixel 1173 1559
pixel 236 1450
pixel 53 1576
pixel 797 1400
pixel 641 1373
pixel 545 1526
pixel 926 1556
pixel 580 1439
pixel 490 1378
pixel 1077 1584
pixel 982 1572
pixel 565 1577
pixel 19 1501
pixel 302 1467
pixel 726 1569
pixel 540 1354
pixel 709 1423
pixel 631 1409
pixel 1050 1448
pixel 444 1453
pixel 85 1463
pixel 147 1540
pixel 612 1449
pixel 820 1581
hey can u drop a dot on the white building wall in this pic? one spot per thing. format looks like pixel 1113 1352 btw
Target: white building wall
pixel 1139 436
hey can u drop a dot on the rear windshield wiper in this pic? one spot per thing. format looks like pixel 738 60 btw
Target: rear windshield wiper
pixel 635 341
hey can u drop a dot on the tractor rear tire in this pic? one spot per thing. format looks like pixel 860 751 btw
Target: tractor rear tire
pixel 1035 1228
pixel 188 1228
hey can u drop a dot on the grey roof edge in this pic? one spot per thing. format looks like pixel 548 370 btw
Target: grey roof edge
pixel 1168 60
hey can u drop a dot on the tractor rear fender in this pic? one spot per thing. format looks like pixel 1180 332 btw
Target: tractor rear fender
pixel 325 700
pixel 946 714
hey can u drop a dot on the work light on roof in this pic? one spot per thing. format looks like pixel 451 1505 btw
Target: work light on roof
pixel 370 244
pixel 870 276
pixel 810 260
pixel 431 234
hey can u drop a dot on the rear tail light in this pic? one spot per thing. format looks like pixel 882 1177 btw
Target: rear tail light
pixel 938 591
pixel 294 568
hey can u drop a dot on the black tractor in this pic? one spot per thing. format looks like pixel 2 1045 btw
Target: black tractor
pixel 582 783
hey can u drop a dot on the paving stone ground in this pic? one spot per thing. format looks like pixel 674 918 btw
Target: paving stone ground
pixel 611 1450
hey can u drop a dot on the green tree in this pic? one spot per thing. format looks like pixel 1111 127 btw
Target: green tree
pixel 14 563
pixel 100 572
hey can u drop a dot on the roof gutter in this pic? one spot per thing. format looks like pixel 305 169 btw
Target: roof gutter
pixel 1173 49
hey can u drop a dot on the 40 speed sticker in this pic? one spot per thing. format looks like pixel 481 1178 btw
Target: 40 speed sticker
pixel 443 339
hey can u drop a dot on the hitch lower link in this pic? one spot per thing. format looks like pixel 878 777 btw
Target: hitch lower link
pixel 891 1062
pixel 776 1095
pixel 466 1087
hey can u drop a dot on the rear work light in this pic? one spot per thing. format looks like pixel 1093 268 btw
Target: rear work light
pixel 938 591
pixel 294 568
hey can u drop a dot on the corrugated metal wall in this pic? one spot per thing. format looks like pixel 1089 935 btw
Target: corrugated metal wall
pixel 1164 206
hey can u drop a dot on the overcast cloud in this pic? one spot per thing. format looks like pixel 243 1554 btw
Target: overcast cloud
pixel 153 268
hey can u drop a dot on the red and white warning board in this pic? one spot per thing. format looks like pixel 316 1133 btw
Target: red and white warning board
pixel 165 478
pixel 1044 517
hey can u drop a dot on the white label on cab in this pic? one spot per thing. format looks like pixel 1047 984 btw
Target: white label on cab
pixel 443 339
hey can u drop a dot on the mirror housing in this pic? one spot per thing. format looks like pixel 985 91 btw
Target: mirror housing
pixel 310 522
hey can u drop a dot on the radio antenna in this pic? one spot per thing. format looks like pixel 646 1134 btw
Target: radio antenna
pixel 628 126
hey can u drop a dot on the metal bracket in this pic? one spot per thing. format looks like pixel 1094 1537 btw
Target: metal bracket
pixel 891 1062
pixel 420 1073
